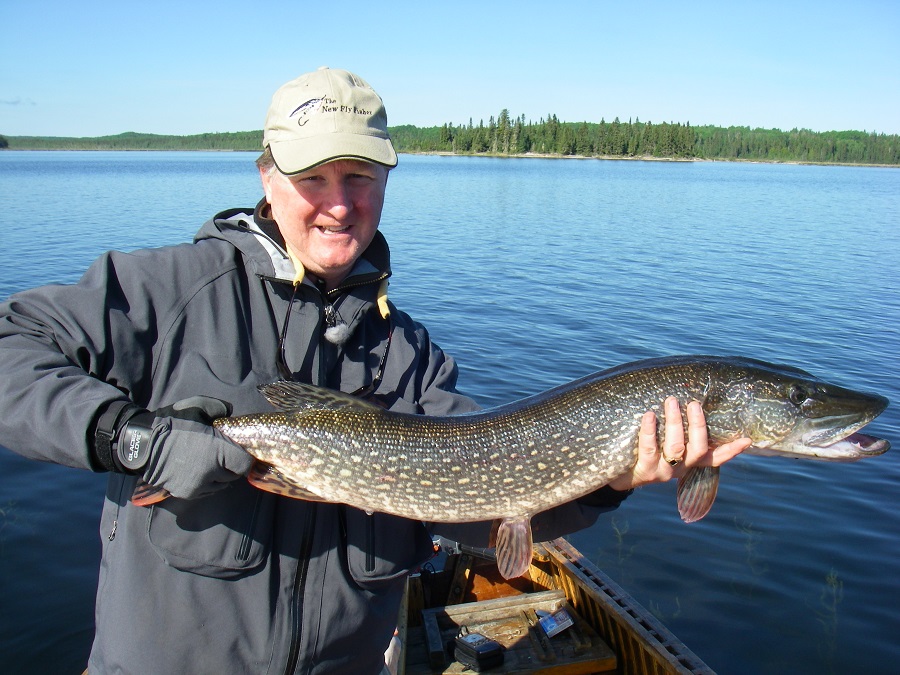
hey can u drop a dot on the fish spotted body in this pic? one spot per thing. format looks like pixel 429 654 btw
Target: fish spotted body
pixel 513 461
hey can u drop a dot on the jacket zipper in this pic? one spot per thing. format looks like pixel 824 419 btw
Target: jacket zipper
pixel 115 522
pixel 370 543
pixel 299 586
pixel 244 549
pixel 297 594
pixel 330 319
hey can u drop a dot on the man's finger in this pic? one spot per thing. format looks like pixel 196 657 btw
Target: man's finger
pixel 647 447
pixel 673 444
pixel 698 439
pixel 728 451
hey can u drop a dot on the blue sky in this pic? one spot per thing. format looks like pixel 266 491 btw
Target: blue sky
pixel 94 68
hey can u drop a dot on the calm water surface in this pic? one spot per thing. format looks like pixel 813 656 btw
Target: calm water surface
pixel 532 273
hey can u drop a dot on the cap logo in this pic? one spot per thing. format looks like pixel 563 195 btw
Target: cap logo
pixel 326 105
pixel 304 109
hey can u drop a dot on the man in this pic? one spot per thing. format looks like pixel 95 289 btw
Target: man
pixel 132 363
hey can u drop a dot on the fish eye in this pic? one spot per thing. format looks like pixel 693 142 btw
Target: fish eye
pixel 798 394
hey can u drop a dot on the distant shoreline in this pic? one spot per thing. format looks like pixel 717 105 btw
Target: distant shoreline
pixel 551 139
pixel 526 155
pixel 650 158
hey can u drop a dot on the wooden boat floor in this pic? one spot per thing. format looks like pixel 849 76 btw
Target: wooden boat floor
pixel 513 623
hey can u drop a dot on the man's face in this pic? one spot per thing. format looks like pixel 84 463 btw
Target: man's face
pixel 328 215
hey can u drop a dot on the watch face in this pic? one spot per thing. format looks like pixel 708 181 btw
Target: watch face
pixel 134 447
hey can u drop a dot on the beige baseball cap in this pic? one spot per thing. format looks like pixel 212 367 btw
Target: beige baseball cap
pixel 324 115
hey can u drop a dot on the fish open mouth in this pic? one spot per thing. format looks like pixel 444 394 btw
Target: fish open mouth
pixel 843 443
pixel 857 445
pixel 831 439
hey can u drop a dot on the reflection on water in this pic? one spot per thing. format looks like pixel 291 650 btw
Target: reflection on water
pixel 827 615
pixel 532 273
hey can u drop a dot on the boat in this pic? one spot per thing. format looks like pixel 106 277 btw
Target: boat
pixel 601 628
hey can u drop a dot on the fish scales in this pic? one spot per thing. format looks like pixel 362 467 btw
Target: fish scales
pixel 457 469
pixel 524 457
pixel 516 460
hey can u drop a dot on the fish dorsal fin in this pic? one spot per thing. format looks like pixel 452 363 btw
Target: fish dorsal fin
pixel 514 546
pixel 267 477
pixel 697 492
pixel 292 396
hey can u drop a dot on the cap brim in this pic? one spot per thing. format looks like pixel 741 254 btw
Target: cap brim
pixel 299 155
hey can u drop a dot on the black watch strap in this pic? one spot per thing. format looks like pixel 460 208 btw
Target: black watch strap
pixel 133 442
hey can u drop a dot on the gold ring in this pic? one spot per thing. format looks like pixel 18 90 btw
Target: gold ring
pixel 672 462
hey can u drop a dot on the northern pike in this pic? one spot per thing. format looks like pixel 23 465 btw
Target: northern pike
pixel 513 461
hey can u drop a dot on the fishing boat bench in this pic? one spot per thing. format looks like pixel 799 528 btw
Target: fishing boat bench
pixel 612 632
pixel 513 623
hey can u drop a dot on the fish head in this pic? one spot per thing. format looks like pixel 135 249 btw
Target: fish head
pixel 790 413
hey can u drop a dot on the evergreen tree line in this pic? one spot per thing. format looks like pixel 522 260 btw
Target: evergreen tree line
pixel 241 140
pixel 514 136
pixel 846 147
pixel 506 136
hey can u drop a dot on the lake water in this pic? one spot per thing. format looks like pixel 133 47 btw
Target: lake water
pixel 533 272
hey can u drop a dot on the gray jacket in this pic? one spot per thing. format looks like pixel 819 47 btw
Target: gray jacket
pixel 242 580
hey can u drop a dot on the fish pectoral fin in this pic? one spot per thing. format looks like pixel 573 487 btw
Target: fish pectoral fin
pixel 267 477
pixel 514 546
pixel 289 396
pixel 697 492
pixel 148 495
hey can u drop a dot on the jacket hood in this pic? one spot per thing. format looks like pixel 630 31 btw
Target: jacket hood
pixel 258 238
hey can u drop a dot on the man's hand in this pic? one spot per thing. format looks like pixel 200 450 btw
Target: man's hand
pixel 658 465
pixel 186 455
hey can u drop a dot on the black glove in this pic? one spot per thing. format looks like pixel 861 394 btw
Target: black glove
pixel 175 448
